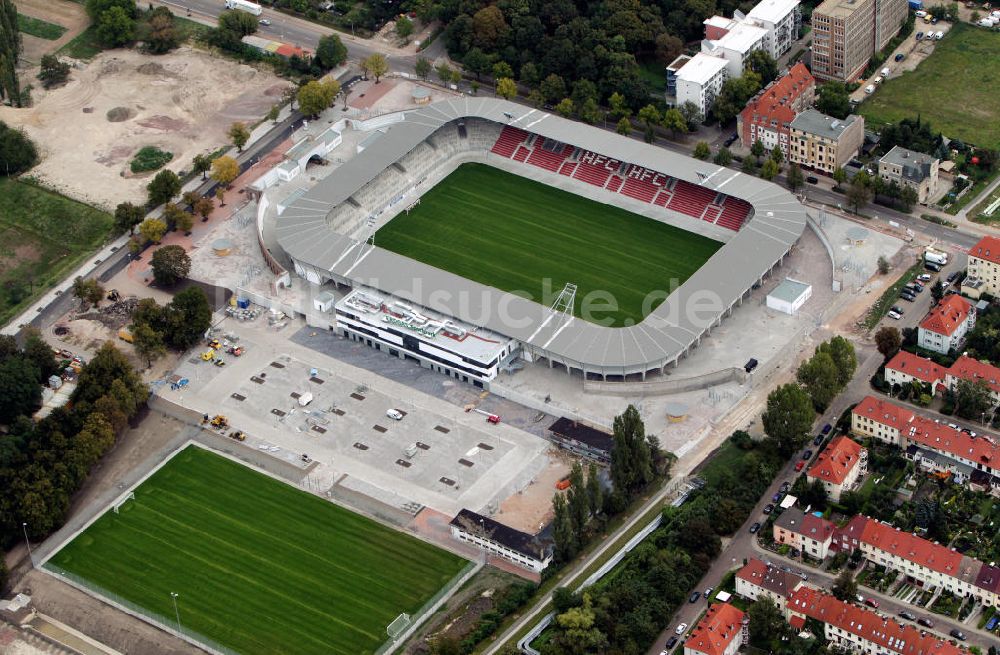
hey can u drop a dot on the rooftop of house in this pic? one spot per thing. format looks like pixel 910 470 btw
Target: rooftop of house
pixel 768 577
pixel 916 165
pixel 947 316
pixel 701 68
pixel 915 366
pixel 777 98
pixel 837 460
pixel 717 629
pixel 819 124
pixel 987 248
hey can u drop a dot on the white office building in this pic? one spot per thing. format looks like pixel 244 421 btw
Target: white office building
pixel 699 80
pixel 782 19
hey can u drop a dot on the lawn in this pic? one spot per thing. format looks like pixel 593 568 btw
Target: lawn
pixel 40 28
pixel 517 235
pixel 654 74
pixel 84 45
pixel 44 236
pixel 955 89
pixel 890 296
pixel 258 565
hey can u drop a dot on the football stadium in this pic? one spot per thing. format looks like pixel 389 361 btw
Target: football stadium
pixel 474 232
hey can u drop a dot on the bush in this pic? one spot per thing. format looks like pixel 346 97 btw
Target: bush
pixel 150 158
pixel 17 151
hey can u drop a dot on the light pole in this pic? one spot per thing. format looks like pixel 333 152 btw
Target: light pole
pixel 27 542
pixel 177 614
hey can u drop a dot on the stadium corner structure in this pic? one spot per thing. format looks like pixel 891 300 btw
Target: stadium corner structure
pixel 325 232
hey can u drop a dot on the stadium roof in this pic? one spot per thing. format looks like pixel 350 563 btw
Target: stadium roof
pixel 661 338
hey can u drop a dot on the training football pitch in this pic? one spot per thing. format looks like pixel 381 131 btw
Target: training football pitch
pixel 512 233
pixel 258 566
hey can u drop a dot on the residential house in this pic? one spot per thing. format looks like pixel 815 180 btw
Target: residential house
pixel 769 114
pixel 909 168
pixel 808 533
pixel 945 326
pixel 782 19
pixel 840 466
pixel 905 368
pixel 824 143
pixel 758 580
pixel 967 368
pixel 697 79
pixel 722 631
pixel 984 264
pixel 735 45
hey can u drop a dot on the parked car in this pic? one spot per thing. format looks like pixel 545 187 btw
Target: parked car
pixel 800 465
pixel 871 602
pixel 992 623
pixel 730 140
pixel 681 628
pixel 908 297
pixel 671 642
pixel 920 35
pixel 768 508
pixel 924 621
pixel 818 440
pixel 806 456
pixel 870 89
pixel 694 597
pixel 827 428
pixel 920 14
pixel 264 21
pixel 860 598
pixel 925 277
pixel 754 528
pixel 957 634
pixel 897 309
pixel 708 592
pixel 894 315
pixel 750 365
pixel 785 486
pixel 812 179
pixel 776 497
pixel 394 414
pixel 900 57
pixel 909 616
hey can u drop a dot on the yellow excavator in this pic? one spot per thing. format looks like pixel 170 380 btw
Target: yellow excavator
pixel 220 421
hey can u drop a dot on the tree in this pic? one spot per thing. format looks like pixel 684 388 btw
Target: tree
pixel 53 71
pixel 238 23
pixel 423 67
pixel 595 493
pixel 619 108
pixel 562 530
pixel 220 195
pixel 733 96
pixel 239 135
pixel 552 88
pixel 972 398
pixel 502 69
pixel 908 197
pixel 204 207
pixel 273 113
pixel 95 8
pixel 883 265
pixel 578 501
pixel 624 126
pixel 170 264
pixel 795 177
pixel 631 460
pixel 788 417
pixel 315 97
pixel 404 28
pixel 20 392
pixel 162 35
pixel 225 170
pixel 590 112
pixel 163 188
pixel 844 587
pixel 858 194
pixel 17 151
pixel 578 632
pixel 187 317
pixel 770 169
pixel 127 216
pixel 184 221
pixel 834 100
pixel 376 64
pixel 818 375
pixel 148 343
pixel 844 358
pixel 330 52
pixel 201 164
pixel 651 117
pixel 758 149
pixel 10 50
pixel 766 622
pixel 675 121
pixel 565 108
pixel 702 151
pixel 762 63
pixel 506 88
pixel 839 176
pixel 444 72
pixel 777 155
pixel 38 351
pixel 937 290
pixel 888 340
pixel 115 28
pixel 692 115
pixel 668 47
pixel 153 229
pixel 88 290
pixel 748 166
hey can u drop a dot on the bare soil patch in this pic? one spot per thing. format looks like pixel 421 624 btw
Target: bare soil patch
pixel 183 102
pixel 70 15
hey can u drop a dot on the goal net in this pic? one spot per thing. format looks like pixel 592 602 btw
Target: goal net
pixel 129 496
pixel 398 626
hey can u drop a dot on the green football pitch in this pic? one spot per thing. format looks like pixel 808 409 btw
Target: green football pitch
pixel 258 566
pixel 514 234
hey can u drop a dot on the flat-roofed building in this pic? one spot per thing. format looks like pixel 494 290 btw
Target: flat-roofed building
pixel 736 45
pixel 782 19
pixel 824 143
pixel 698 80
pixel 498 539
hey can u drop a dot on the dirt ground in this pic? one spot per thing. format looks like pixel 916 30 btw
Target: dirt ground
pixel 70 15
pixel 81 611
pixel 183 102
pixel 530 509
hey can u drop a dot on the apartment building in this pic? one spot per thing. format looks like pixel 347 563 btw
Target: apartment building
pixel 859 630
pixel 931 564
pixel 757 580
pixel 824 143
pixel 967 368
pixel 840 466
pixel 909 168
pixel 905 368
pixel 782 19
pixel 697 79
pixel 813 535
pixel 769 114
pixel 847 33
pixel 721 631
pixel 945 326
pixel 984 264
pixel 735 45
pixel 932 445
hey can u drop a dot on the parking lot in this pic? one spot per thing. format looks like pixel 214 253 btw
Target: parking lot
pixel 437 455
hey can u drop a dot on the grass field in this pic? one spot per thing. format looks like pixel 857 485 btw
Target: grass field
pixel 40 28
pixel 84 45
pixel 955 89
pixel 259 566
pixel 513 233
pixel 43 236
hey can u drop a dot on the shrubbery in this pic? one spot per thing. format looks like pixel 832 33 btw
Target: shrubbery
pixel 150 158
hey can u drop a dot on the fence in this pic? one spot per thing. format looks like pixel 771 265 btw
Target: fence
pixel 173 626
pixel 665 386
pixel 428 608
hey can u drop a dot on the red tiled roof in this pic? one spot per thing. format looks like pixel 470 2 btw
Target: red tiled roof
pixel 767 577
pixel 775 101
pixel 718 628
pixel 988 248
pixel 885 632
pixel 920 368
pixel 836 460
pixel 884 412
pixel 968 368
pixel 947 316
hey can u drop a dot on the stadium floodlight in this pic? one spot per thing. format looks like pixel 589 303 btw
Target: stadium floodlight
pixel 27 542
pixel 177 614
pixel 509 115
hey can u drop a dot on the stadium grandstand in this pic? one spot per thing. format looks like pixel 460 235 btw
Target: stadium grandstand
pixel 327 232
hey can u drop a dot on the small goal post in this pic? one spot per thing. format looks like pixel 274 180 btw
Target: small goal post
pixel 129 496
pixel 398 626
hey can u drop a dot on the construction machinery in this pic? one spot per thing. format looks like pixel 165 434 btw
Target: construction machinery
pixel 125 335
pixel 219 421
pixel 219 362
pixel 235 351
pixel 208 355
pixel 114 296
pixel 214 344
pixel 239 435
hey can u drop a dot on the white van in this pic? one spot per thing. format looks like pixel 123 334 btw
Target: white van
pixel 870 89
pixel 920 14
pixel 305 399
pixel 939 35
pixel 886 71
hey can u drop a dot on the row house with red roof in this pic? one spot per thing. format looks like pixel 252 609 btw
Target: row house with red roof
pixel 806 532
pixel 758 579
pixel 984 264
pixel 905 368
pixel 840 466
pixel 932 445
pixel 853 628
pixel 945 326
pixel 722 631
pixel 768 116
pixel 929 563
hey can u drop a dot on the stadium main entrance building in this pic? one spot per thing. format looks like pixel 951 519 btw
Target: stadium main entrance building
pixel 463 328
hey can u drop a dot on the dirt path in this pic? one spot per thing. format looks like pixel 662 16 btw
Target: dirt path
pixel 70 15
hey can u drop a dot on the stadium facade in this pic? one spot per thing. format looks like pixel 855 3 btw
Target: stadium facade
pixel 326 233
